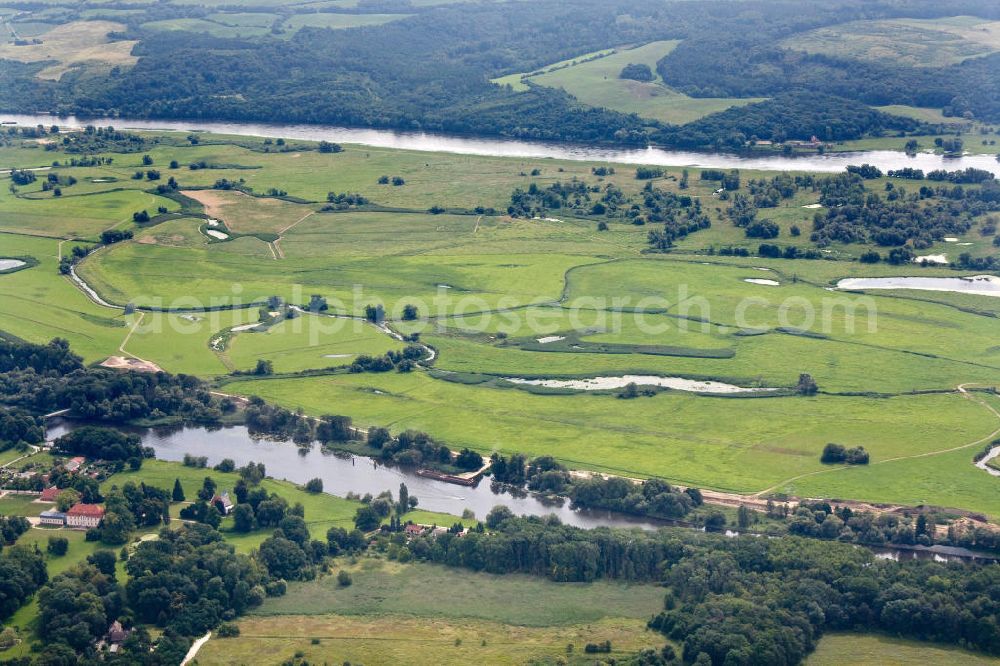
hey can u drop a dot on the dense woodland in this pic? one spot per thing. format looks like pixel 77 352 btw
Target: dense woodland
pixel 48 378
pixel 403 75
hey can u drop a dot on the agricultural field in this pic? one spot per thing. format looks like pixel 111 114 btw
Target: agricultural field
pixel 593 79
pixel 912 42
pixel 80 44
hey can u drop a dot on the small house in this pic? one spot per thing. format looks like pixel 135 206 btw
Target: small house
pixel 49 494
pixel 223 503
pixel 412 530
pixel 75 463
pixel 84 516
pixel 53 518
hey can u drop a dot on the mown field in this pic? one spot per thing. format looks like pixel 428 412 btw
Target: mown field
pixel 913 42
pixel 488 287
pixel 422 613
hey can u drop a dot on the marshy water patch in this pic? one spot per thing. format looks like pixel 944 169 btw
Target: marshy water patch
pixel 980 285
pixel 769 283
pixel 11 264
pixel 611 383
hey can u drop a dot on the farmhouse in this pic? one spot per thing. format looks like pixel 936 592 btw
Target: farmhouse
pixel 54 518
pixel 49 494
pixel 74 463
pixel 84 516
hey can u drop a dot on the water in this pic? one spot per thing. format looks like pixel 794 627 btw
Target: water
pixel 829 163
pixel 7 264
pixel 979 285
pixel 344 473
pixel 608 383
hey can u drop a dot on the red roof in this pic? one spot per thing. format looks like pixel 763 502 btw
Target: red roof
pixel 79 459
pixel 49 494
pixel 92 510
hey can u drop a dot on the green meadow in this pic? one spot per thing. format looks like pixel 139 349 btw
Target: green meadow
pixel 595 81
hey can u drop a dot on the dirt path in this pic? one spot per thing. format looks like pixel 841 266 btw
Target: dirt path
pixel 282 231
pixel 193 652
pixel 476 230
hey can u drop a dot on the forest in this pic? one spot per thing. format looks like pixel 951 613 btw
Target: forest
pixel 402 75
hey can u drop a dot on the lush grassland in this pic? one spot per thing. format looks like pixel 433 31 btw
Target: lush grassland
pixel 913 42
pixel 308 342
pixel 857 649
pixel 38 304
pixel 740 444
pixel 595 81
pixel 476 276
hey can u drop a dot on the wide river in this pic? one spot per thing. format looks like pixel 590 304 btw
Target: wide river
pixel 830 162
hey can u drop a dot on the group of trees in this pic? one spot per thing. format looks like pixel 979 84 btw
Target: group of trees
pixel 544 474
pixel 839 454
pixel 46 378
pixel 793 115
pixel 917 220
pixel 103 444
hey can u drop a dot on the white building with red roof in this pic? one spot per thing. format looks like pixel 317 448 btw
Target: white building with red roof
pixel 84 516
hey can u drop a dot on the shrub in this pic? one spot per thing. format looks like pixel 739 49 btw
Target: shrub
pixel 344 578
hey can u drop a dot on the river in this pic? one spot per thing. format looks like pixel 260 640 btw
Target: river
pixel 496 147
pixel 344 473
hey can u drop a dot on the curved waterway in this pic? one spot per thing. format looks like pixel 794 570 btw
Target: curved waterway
pixel 497 147
pixel 344 473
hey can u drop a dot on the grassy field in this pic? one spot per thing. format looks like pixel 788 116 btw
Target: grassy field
pixel 383 587
pixel 396 612
pixel 393 640
pixel 686 438
pixel 858 649
pixel 594 80
pixel 76 44
pixel 339 21
pixel 913 42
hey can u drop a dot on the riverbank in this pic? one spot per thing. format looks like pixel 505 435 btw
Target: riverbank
pixel 832 162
